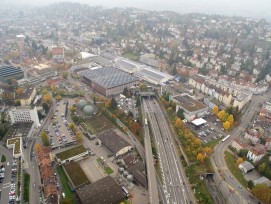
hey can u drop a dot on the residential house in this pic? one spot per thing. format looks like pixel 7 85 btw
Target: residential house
pixel 27 96
pixel 256 153
pixel 253 135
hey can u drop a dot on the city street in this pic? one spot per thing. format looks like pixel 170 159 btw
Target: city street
pixel 229 187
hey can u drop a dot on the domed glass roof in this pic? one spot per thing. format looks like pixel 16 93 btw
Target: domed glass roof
pixel 82 104
pixel 88 110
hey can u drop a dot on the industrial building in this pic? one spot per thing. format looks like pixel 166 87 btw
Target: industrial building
pixel 114 142
pixel 7 73
pixel 108 81
pixel 24 114
pixel 103 191
pixel 192 108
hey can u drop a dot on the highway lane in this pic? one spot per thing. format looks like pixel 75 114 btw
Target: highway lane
pixel 173 177
pixel 236 194
pixel 152 183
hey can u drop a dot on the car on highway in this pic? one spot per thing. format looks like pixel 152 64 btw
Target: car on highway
pixel 239 186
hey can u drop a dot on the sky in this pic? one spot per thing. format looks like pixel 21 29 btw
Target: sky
pixel 246 8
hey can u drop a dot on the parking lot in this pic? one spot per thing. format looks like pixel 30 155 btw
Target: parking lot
pixel 127 104
pixel 58 131
pixel 8 187
pixel 209 131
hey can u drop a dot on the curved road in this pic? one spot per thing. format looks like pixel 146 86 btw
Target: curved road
pixel 229 186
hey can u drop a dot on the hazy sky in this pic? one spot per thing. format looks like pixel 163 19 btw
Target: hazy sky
pixel 250 8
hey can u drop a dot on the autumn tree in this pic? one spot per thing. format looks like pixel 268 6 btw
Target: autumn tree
pixel 58 97
pixel 45 139
pixel 221 114
pixel 239 161
pixel 20 90
pixel 44 92
pixel 230 119
pixel 38 147
pixel 226 125
pixel 207 151
pixel 179 123
pixel 53 88
pixel 215 110
pixel 72 109
pixel 107 104
pixel 200 157
pixel 71 126
pixel 79 137
pixel 262 192
pixel 47 98
pixel 65 75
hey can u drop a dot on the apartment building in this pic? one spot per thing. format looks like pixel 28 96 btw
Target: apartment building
pixel 24 114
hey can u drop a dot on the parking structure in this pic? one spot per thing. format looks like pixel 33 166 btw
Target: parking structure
pixel 58 131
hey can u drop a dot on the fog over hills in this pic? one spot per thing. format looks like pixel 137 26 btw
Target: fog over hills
pixel 246 8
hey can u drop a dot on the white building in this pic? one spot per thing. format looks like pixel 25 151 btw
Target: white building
pixel 25 114
pixel 256 153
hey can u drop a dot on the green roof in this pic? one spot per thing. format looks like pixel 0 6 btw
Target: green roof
pixel 71 152
pixel 16 141
pixel 76 174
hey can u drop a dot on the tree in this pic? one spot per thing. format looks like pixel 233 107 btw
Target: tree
pixel 107 104
pixel 226 125
pixel 243 153
pixel 179 123
pixel 207 150
pixel 137 102
pixel 262 192
pixel 262 167
pixel 142 87
pixel 221 115
pixel 65 75
pixel 230 119
pixel 17 102
pixel 250 184
pixel 44 92
pixel 45 139
pixel 180 113
pixel 94 100
pixel 53 88
pixel 45 107
pixel 37 147
pixel 215 110
pixel 72 109
pixel 20 90
pixel 58 97
pixel 71 126
pixel 226 115
pixel 113 104
pixel 239 161
pixel 200 157
pixel 174 70
pixel 47 98
pixel 79 137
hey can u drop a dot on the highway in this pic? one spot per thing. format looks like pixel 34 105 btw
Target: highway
pixel 173 178
pixel 152 183
pixel 229 188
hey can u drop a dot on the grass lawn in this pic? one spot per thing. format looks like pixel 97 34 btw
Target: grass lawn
pixel 130 56
pixel 237 173
pixel 71 152
pixel 76 173
pixel 64 181
pixel 26 187
pixel 99 123
pixel 17 143
pixel 213 143
pixel 108 170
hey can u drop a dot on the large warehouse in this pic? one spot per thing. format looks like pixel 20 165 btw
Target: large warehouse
pixel 108 81
pixel 7 73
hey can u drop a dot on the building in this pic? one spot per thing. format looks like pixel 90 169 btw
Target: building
pixel 114 142
pixel 240 143
pixel 256 153
pixel 262 180
pixel 76 153
pixel 15 144
pixel 246 167
pixel 103 191
pixel 27 96
pixel 109 81
pixel 7 73
pixel 47 175
pixel 149 59
pixel 58 53
pixel 24 114
pixel 192 108
pixel 253 135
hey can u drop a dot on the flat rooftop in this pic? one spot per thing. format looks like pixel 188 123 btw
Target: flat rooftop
pixel 76 174
pixel 108 77
pixel 71 152
pixel 20 129
pixel 103 191
pixel 17 143
pixel 189 104
pixel 9 70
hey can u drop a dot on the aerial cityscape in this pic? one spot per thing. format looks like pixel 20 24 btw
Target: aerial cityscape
pixel 125 105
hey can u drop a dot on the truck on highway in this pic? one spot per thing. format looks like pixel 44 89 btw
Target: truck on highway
pixel 146 121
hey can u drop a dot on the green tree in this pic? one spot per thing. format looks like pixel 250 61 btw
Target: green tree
pixel 113 104
pixel 250 184
pixel 180 113
pixel 65 75
pixel 262 167
pixel 137 102
pixel 243 153
pixel 45 139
